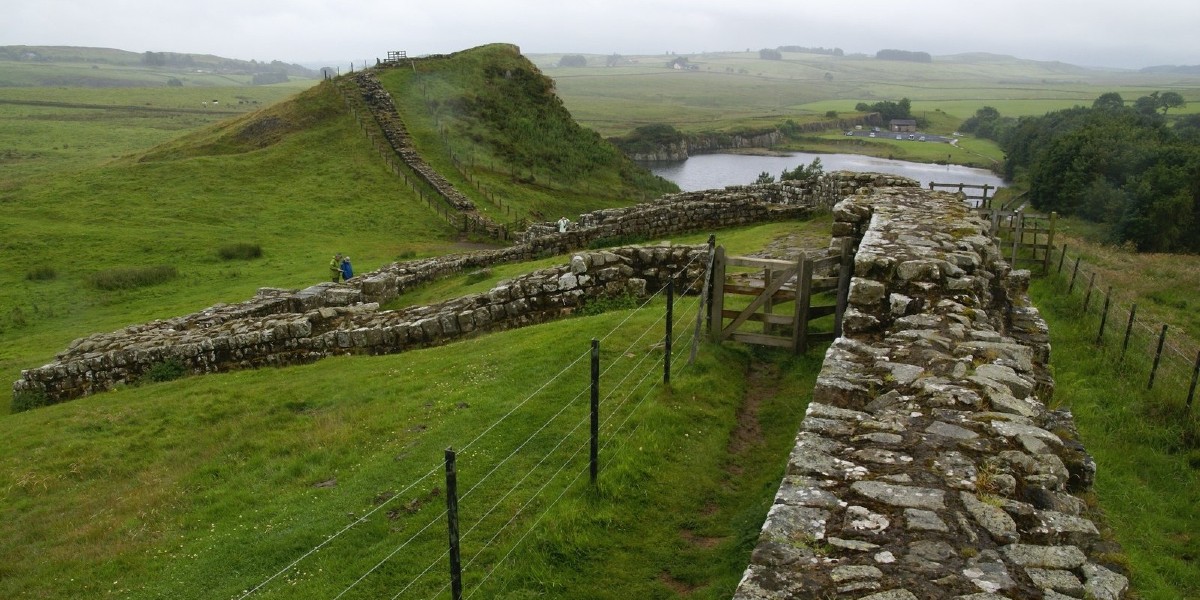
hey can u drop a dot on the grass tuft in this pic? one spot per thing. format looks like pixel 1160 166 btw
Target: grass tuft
pixel 27 400
pixel 41 273
pixel 240 251
pixel 127 278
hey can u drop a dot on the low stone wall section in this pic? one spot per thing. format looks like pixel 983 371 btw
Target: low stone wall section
pixel 928 464
pixel 281 328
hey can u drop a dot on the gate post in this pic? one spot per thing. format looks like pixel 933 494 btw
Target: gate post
pixel 803 299
pixel 844 274
pixel 716 321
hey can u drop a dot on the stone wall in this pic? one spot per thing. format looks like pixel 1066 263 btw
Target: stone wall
pixel 282 327
pixel 928 464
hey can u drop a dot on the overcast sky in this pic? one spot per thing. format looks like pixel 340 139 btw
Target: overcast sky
pixel 316 32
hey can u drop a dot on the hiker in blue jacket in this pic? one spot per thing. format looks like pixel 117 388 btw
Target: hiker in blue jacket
pixel 347 270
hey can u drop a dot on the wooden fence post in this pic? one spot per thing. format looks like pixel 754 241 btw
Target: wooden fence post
pixel 1062 258
pixel 716 320
pixel 803 299
pixel 843 292
pixel 1087 298
pixel 1128 329
pixel 705 296
pixel 1071 288
pixel 1162 340
pixel 1104 316
pixel 1192 389
pixel 1049 243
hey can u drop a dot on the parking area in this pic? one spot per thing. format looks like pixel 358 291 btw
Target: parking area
pixel 906 136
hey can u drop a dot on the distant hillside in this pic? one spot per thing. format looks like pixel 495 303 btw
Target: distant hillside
pixel 1174 69
pixel 30 57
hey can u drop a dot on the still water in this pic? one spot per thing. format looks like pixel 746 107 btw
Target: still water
pixel 714 171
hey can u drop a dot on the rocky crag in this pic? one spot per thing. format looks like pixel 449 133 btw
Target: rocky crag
pixel 928 464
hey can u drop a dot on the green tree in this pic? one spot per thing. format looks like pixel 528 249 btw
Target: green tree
pixel 770 54
pixel 1168 100
pixel 1109 101
pixel 572 60
pixel 803 172
pixel 765 177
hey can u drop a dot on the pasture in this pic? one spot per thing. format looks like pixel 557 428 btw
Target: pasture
pixel 735 90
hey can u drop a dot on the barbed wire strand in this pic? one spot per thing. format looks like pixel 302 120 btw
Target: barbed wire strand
pixel 522 508
pixel 516 450
pixel 532 527
pixel 336 535
pixel 391 554
pixel 528 473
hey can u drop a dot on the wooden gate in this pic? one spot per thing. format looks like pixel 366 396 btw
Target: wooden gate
pixel 773 285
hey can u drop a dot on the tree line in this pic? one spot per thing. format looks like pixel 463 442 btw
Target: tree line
pixel 1125 165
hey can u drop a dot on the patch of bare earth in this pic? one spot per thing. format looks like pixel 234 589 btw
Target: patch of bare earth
pixel 676 585
pixel 699 541
pixel 762 383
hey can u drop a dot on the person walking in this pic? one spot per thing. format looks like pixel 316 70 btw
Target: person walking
pixel 335 268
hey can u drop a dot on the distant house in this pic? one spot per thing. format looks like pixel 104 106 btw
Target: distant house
pixel 899 125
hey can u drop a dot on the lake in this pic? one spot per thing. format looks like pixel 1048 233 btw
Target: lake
pixel 715 171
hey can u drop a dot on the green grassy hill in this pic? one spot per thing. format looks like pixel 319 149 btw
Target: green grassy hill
pixel 298 180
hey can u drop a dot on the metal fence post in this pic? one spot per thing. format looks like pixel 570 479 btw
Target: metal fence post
pixel 670 324
pixel 452 522
pixel 594 454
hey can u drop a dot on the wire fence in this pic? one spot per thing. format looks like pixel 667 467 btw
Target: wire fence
pixel 515 480
pixel 1171 356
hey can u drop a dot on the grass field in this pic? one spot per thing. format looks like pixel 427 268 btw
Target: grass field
pixel 737 90
pixel 273 462
pixel 1145 443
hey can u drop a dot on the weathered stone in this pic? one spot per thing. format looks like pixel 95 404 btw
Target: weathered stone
pixel 1055 579
pixel 901 496
pixel 950 431
pixel 1049 557
pixel 924 520
pixel 993 519
pixel 1103 584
